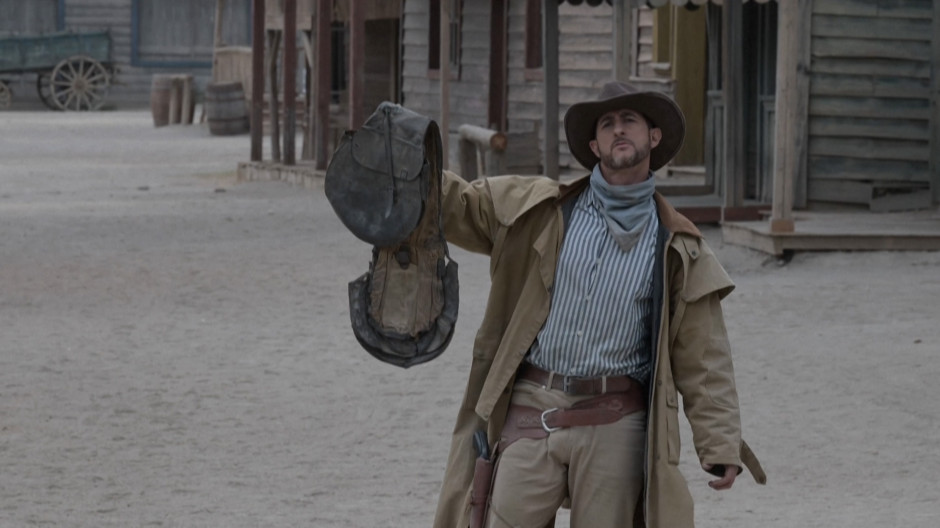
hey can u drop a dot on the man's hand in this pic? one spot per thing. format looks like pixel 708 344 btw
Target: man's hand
pixel 725 482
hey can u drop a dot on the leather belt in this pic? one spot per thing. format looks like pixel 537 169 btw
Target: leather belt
pixel 576 386
pixel 529 422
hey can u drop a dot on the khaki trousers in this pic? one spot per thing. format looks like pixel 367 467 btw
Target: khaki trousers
pixel 600 468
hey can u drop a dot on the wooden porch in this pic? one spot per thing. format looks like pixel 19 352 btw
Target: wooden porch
pixel 841 231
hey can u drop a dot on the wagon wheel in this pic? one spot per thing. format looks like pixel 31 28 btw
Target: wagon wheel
pixel 44 91
pixel 79 83
pixel 6 96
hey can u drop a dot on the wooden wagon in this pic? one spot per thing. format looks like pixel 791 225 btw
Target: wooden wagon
pixel 73 70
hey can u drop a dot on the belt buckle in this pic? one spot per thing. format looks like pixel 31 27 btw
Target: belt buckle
pixel 545 425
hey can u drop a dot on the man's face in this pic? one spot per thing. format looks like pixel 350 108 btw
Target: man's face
pixel 623 139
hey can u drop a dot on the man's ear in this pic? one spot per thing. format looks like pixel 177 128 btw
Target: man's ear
pixel 593 145
pixel 656 135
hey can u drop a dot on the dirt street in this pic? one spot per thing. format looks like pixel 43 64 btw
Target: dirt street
pixel 175 352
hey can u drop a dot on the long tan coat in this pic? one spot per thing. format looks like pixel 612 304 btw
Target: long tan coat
pixel 518 222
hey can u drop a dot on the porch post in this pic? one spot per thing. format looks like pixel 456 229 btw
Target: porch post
pixel 324 16
pixel 290 81
pixel 781 220
pixel 257 79
pixel 935 106
pixel 445 80
pixel 496 113
pixel 791 108
pixel 550 68
pixel 357 57
pixel 624 37
pixel 733 89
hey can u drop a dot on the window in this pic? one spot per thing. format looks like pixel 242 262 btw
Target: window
pixel 434 37
pixel 339 72
pixel 533 40
pixel 179 33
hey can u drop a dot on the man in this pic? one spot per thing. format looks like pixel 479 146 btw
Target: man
pixel 604 305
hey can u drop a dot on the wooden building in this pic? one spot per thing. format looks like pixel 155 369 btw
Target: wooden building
pixel 147 36
pixel 796 105
pixel 805 104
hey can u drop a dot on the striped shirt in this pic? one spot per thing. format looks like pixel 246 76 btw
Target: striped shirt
pixel 599 320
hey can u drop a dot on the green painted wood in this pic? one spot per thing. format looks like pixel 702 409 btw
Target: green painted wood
pixel 44 52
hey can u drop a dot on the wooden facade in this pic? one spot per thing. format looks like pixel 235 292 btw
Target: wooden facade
pixel 585 57
pixel 870 100
pixel 147 36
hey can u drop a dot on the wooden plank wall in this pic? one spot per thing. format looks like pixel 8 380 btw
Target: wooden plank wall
pixel 132 87
pixel 585 58
pixel 27 18
pixel 870 101
pixel 469 83
pixel 133 83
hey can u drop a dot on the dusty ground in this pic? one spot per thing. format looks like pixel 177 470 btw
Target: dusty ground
pixel 175 352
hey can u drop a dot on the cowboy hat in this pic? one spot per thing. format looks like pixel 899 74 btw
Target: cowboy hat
pixel 663 112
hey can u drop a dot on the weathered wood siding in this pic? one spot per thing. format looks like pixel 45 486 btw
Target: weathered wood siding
pixel 131 86
pixel 870 101
pixel 469 82
pixel 585 63
pixel 19 17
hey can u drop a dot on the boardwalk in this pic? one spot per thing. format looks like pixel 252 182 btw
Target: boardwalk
pixel 175 352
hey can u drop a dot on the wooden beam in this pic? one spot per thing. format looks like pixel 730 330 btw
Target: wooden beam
pixel 781 219
pixel 732 23
pixel 550 67
pixel 322 85
pixel 289 69
pixel 257 80
pixel 357 60
pixel 444 70
pixel 624 39
pixel 935 105
pixel 496 114
pixel 799 127
pixel 274 106
pixel 217 35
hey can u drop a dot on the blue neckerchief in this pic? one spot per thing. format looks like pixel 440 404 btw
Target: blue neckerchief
pixel 626 208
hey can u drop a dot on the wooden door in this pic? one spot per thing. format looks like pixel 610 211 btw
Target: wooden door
pixel 381 63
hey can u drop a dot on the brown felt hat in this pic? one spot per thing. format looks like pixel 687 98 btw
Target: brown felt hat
pixel 665 114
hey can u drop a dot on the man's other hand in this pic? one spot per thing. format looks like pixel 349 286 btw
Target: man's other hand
pixel 725 482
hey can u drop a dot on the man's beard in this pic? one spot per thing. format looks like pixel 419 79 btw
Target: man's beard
pixel 615 163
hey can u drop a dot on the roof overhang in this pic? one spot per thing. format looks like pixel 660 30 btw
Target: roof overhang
pixel 659 3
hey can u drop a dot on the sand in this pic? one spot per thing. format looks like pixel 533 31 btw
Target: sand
pixel 176 352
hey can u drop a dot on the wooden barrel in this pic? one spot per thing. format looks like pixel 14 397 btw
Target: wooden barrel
pixel 160 90
pixel 226 110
